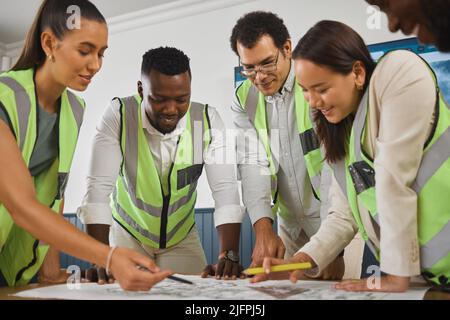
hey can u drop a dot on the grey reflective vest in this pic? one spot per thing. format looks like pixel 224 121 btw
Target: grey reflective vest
pixel 21 254
pixel 254 104
pixel 139 204
pixel 357 179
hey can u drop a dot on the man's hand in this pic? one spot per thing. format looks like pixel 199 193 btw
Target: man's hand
pixel 267 244
pixel 387 283
pixel 228 266
pixel 225 268
pixel 96 274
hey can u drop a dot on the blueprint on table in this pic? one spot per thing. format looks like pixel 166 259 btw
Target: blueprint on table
pixel 212 289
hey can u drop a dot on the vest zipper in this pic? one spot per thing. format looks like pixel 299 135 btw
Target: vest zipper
pixel 164 213
pixel 32 263
pixel 314 192
pixel 165 209
pixel 36 243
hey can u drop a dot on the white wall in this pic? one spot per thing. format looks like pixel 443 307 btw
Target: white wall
pixel 11 51
pixel 4 59
pixel 204 37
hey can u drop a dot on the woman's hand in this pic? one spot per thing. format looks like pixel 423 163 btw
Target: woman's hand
pixel 387 283
pixel 55 278
pixel 291 275
pixel 50 271
pixel 125 265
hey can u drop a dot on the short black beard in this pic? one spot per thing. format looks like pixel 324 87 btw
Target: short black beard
pixel 164 131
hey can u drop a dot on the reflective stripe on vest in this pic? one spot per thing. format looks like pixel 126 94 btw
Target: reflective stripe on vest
pixel 22 99
pixel 161 220
pixel 144 232
pixel 251 100
pixel 21 254
pixel 433 179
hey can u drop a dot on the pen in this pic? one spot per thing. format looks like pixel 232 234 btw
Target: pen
pixel 180 279
pixel 169 277
pixel 278 268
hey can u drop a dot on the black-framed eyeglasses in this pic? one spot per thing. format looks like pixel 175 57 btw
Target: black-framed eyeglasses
pixel 265 68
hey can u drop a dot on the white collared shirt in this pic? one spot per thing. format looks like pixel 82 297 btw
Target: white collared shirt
pixel 107 157
pixel 294 185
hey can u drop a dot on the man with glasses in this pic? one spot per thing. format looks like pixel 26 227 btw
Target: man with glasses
pixel 279 158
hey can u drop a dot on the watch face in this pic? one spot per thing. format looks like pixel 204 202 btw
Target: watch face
pixel 233 256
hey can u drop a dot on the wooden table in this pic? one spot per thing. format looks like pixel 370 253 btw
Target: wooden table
pixel 6 293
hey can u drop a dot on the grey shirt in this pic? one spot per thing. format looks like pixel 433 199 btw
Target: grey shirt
pixel 46 148
pixel 294 186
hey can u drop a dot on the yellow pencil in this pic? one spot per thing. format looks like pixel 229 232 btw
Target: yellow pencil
pixel 278 268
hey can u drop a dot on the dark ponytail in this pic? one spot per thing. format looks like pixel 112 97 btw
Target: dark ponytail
pixel 52 14
pixel 337 46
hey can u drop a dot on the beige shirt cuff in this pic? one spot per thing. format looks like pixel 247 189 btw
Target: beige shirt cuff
pixel 319 256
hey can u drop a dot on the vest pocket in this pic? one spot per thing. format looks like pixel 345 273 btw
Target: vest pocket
pixel 363 176
pixel 309 141
pixel 188 175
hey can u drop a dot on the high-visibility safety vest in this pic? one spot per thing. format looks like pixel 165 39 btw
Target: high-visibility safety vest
pixel 356 177
pixel 21 254
pixel 139 203
pixel 255 105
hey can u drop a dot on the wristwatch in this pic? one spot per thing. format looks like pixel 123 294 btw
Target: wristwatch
pixel 232 256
